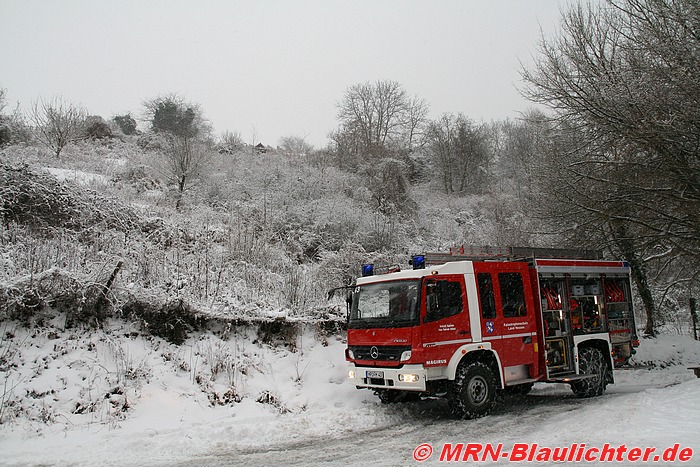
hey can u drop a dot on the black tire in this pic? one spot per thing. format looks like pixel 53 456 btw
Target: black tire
pixel 591 362
pixel 389 396
pixel 473 392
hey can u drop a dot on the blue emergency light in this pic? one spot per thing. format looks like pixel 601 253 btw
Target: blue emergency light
pixel 418 262
pixel 367 270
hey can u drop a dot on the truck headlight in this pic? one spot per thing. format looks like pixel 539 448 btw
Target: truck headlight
pixel 408 378
pixel 351 374
pixel 405 356
pixel 349 354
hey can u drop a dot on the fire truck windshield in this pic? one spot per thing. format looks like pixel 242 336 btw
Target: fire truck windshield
pixel 385 304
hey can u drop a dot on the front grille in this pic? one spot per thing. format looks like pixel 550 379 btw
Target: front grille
pixel 388 353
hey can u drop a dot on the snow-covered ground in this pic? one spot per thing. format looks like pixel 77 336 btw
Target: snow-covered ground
pixel 78 176
pixel 122 398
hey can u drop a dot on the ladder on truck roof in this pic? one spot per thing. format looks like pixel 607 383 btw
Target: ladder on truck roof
pixel 507 253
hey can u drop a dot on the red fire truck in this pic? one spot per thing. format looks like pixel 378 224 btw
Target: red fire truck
pixel 476 320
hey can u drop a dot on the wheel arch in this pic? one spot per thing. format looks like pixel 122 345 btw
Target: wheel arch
pixel 471 353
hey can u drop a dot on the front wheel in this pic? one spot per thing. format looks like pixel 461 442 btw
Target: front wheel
pixel 473 392
pixel 592 363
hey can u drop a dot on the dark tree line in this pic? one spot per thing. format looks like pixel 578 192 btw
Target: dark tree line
pixel 623 80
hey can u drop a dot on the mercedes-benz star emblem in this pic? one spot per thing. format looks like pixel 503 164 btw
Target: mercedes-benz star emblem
pixel 374 352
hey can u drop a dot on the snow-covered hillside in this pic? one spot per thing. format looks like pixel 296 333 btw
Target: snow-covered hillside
pixel 120 397
pixel 135 333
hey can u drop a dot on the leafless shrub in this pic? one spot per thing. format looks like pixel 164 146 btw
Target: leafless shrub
pixel 228 397
pixel 267 397
pixel 172 320
pixel 279 332
pixel 35 298
pixel 8 351
pixel 57 123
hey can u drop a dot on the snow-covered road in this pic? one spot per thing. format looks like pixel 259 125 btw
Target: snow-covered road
pixel 550 416
pixel 427 421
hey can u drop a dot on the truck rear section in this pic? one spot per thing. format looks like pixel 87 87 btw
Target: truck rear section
pixel 581 297
pixel 467 327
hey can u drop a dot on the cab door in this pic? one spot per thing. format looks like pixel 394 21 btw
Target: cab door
pixel 507 313
pixel 445 318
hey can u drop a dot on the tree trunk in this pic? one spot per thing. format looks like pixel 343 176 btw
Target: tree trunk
pixel 181 191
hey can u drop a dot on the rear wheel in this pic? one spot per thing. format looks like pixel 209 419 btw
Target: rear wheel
pixel 473 392
pixel 591 362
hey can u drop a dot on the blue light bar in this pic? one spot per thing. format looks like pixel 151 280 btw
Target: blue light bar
pixel 418 262
pixel 367 270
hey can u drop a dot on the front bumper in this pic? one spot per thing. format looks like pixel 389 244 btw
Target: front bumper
pixel 406 378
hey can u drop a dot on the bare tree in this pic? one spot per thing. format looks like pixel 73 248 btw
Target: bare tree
pixel 5 132
pixel 415 120
pixel 3 99
pixel 295 145
pixel 230 142
pixel 57 123
pixel 186 134
pixel 387 180
pixel 623 80
pixel 184 161
pixel 440 136
pixel 460 153
pixel 381 115
pixel 13 127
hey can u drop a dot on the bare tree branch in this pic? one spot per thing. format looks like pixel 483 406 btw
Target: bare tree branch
pixel 57 123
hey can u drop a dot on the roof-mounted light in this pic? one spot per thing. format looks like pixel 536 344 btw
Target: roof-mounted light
pixel 367 270
pixel 417 261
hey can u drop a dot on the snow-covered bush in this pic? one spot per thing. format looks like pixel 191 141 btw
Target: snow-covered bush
pixel 38 200
pixel 38 298
pixel 96 127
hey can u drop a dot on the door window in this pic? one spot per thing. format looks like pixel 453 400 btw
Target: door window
pixel 443 298
pixel 486 296
pixel 512 294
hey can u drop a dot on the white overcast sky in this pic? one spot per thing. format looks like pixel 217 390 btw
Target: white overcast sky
pixel 270 68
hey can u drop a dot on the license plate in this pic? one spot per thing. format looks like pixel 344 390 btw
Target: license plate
pixel 375 374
